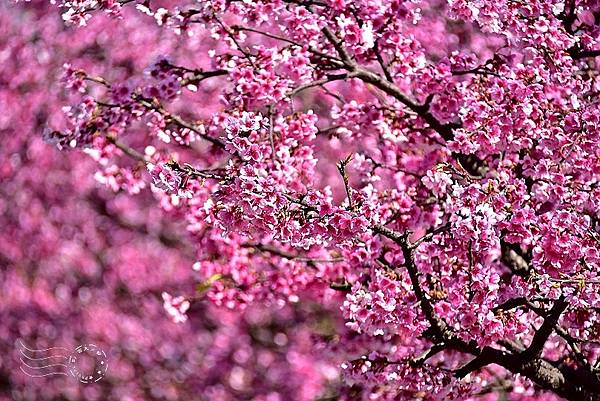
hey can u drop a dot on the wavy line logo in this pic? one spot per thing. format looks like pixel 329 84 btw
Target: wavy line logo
pixel 87 363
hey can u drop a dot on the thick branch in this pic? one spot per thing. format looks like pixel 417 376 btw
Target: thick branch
pixel 445 130
pixel 487 356
pixel 439 327
pixel 529 363
pixel 470 163
pixel 337 45
pixel 512 258
pixel 538 370
pixel 577 54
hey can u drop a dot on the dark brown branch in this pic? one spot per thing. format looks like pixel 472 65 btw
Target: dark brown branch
pixel 341 166
pixel 307 3
pixel 476 71
pixel 395 236
pixel 270 111
pixel 200 75
pixel 231 35
pixel 337 45
pixel 311 49
pixel 134 154
pixel 269 249
pixel 434 350
pixel 323 81
pixel 430 234
pixel 305 205
pixel 170 117
pixel 439 328
pixel 193 172
pixel 518 302
pixel 445 130
pixel 273 250
pixel 344 287
pixel 155 106
pixel 381 62
pixel 542 334
pixel 578 54
pixel 528 363
pixel 513 259
pixel 543 373
pixel 568 17
pixel 470 163
pixel 486 357
pixel 573 344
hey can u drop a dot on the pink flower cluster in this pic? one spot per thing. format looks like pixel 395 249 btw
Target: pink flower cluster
pixel 176 307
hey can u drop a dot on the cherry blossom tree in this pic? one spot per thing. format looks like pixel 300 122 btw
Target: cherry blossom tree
pixel 81 264
pixel 407 190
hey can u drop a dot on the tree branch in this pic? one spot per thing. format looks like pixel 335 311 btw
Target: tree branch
pixel 438 326
pixel 541 336
pixel 327 79
pixel 578 54
pixel 342 170
pixel 134 154
pixel 513 259
pixel 178 120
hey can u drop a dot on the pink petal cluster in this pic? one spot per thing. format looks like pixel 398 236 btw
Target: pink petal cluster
pixel 176 307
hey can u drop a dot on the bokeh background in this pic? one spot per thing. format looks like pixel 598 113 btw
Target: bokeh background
pixel 81 264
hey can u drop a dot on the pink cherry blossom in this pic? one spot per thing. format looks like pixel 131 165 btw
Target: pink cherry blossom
pixel 304 200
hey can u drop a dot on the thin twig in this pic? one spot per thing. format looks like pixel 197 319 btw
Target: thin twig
pixel 341 166
pixel 127 150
